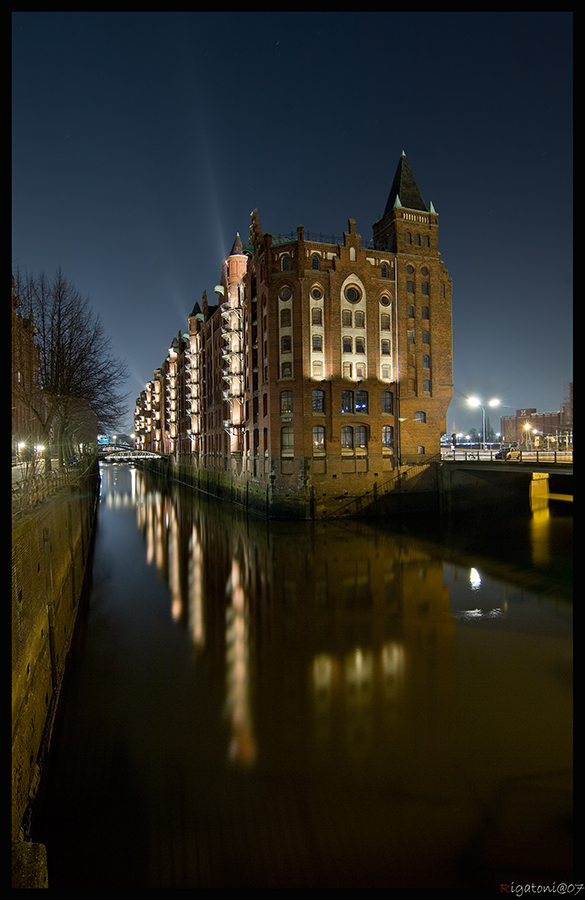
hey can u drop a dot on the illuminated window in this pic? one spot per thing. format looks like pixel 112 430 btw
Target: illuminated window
pixel 361 401
pixel 347 402
pixel 387 436
pixel 286 402
pixel 318 401
pixel 318 440
pixel 361 437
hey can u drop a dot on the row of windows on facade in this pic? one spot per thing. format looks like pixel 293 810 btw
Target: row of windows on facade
pixel 316 264
pixel 352 438
pixel 349 370
pixel 353 345
pixel 350 319
pixel 356 402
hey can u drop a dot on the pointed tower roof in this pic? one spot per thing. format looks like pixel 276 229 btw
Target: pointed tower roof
pixel 195 311
pixel 237 246
pixel 405 191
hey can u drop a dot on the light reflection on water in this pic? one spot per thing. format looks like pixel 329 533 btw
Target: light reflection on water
pixel 342 693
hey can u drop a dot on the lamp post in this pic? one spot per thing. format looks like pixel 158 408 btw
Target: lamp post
pixel 474 401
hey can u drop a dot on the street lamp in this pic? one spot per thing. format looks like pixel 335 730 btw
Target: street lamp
pixel 473 401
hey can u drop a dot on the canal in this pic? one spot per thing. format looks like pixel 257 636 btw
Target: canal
pixel 255 704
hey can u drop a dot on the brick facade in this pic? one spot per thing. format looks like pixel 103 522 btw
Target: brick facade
pixel 326 365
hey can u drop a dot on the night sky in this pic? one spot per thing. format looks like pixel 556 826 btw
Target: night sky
pixel 142 142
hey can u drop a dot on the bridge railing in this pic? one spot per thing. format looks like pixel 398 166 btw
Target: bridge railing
pixel 538 456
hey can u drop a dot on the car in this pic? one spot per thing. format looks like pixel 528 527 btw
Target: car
pixel 509 453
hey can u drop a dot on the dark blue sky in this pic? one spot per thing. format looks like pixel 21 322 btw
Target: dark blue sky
pixel 143 141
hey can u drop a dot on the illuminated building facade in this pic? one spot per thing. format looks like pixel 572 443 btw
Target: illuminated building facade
pixel 323 369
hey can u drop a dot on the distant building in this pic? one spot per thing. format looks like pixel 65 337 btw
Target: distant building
pixel 538 429
pixel 324 366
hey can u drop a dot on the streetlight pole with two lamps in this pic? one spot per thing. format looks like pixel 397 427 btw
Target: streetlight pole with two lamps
pixel 474 401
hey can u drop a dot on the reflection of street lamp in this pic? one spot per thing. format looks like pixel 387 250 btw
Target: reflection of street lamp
pixel 473 401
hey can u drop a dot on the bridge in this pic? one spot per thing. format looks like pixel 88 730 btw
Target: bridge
pixel 128 455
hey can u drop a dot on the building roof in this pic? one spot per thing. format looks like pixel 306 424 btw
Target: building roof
pixel 237 247
pixel 405 191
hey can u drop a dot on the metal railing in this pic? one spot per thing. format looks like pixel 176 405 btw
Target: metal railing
pixel 538 456
pixel 30 487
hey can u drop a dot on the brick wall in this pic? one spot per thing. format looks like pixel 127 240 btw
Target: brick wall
pixel 50 550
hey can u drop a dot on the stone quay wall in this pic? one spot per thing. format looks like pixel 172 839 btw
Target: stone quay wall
pixel 51 547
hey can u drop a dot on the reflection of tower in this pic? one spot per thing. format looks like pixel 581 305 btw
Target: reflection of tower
pixel 196 620
pixel 243 745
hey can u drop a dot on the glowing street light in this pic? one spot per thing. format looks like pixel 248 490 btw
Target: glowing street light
pixel 474 401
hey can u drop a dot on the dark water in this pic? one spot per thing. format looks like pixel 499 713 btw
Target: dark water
pixel 328 705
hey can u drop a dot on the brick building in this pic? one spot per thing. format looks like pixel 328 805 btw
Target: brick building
pixel 26 391
pixel 326 363
pixel 540 429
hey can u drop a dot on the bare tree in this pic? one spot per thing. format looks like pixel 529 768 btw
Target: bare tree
pixel 78 376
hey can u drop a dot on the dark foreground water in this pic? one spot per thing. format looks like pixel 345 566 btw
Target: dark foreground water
pixel 329 705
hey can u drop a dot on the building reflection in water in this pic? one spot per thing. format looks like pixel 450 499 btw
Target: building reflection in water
pixel 366 616
pixel 311 704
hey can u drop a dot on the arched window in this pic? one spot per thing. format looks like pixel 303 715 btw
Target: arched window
pixel 285 318
pixel 318 401
pixel 284 263
pixel 387 402
pixel 317 342
pixel 316 261
pixel 318 440
pixel 360 437
pixel 387 437
pixel 347 438
pixel 384 270
pixel 347 402
pixel 361 401
pixel 316 316
pixel 420 416
pixel 408 237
